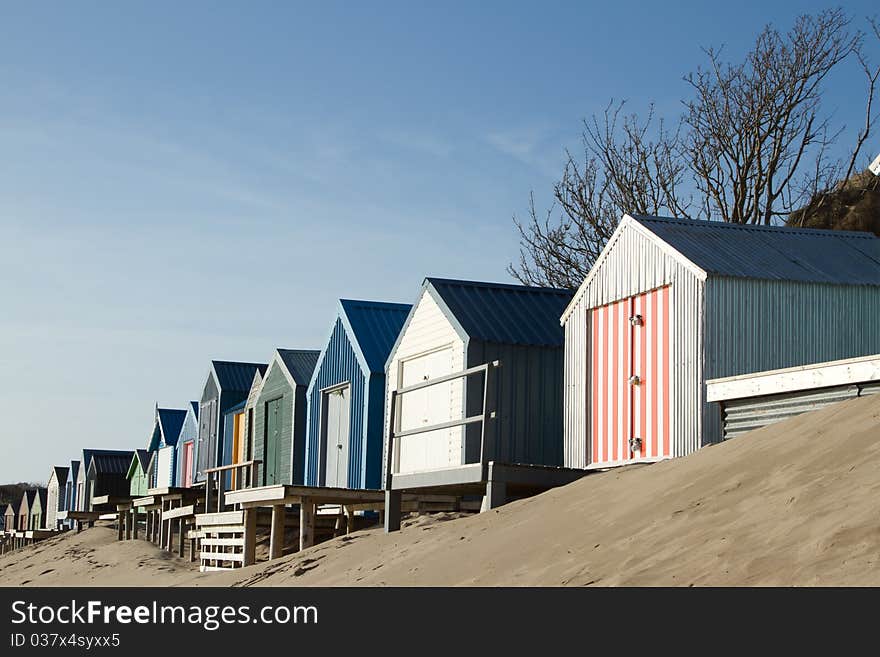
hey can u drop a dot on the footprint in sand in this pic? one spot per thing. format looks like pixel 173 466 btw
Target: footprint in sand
pixel 46 572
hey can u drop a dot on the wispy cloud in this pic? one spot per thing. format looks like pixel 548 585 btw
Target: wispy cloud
pixel 534 146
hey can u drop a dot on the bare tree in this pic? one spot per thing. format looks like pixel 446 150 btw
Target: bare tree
pixel 755 129
pixel 623 170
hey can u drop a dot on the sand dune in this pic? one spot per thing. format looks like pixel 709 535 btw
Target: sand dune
pixel 790 504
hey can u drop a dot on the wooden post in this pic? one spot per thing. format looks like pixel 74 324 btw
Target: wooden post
pixel 192 549
pixel 276 537
pixel 120 525
pixel 169 536
pixel 134 522
pixel 129 517
pixel 221 491
pixel 181 536
pixel 250 534
pixel 349 520
pixel 157 525
pixel 392 511
pixel 496 495
pixel 340 521
pixel 306 523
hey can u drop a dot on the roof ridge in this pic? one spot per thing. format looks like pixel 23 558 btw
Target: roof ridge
pixel 499 286
pixel 827 232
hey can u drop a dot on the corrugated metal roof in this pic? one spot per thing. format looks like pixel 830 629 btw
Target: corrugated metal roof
pixel 42 493
pixel 300 364
pixel 143 457
pixel 194 405
pixel 376 325
pixel 15 504
pixel 112 462
pixel 506 314
pixel 74 470
pixel 61 473
pixel 772 252
pixel 236 376
pixel 171 421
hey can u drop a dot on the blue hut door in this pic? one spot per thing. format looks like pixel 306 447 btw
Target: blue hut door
pixel 273 440
pixel 337 404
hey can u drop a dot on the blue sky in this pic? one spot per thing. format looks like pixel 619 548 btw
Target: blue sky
pixel 188 181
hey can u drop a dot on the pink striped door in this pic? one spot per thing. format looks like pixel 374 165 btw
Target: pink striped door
pixel 187 464
pixel 629 402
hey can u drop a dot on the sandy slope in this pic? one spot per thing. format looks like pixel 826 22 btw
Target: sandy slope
pixel 795 503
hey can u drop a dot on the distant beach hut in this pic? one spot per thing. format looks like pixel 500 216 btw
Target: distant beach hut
pixel 162 447
pixel 37 511
pixel 10 515
pixel 671 303
pixel 186 446
pixel 56 490
pixel 24 510
pixel 227 385
pixel 106 475
pixel 138 482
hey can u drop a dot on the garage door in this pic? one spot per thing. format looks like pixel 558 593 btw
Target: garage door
pixel 432 405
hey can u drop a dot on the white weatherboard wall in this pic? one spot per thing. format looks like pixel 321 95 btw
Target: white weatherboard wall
pixel 632 264
pixel 429 347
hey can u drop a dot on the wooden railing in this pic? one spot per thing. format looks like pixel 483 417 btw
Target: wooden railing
pixel 245 477
pixel 486 444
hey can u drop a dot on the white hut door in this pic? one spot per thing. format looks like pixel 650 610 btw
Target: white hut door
pixel 630 396
pixel 338 407
pixel 421 408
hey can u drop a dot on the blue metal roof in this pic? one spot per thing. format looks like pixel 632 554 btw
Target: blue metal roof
pixel 236 376
pixel 376 325
pixel 502 313
pixel 112 463
pixel 300 363
pixel 74 470
pixel 772 252
pixel 194 405
pixel 171 421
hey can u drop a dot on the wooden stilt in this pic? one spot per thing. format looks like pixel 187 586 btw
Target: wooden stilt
pixel 250 536
pixel 276 538
pixel 306 523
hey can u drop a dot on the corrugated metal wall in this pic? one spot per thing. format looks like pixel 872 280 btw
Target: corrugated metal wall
pixel 528 427
pixel 753 326
pixel 634 265
pixel 743 415
pixel 339 364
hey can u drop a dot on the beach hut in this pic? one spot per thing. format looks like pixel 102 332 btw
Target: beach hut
pixel 104 475
pixel 24 510
pixel 346 396
pixel 56 490
pixel 227 385
pixel 671 303
pixel 186 445
pixel 482 362
pixel 70 490
pixel 138 483
pixel 37 511
pixel 234 441
pixel 280 417
pixel 167 424
pixel 10 515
